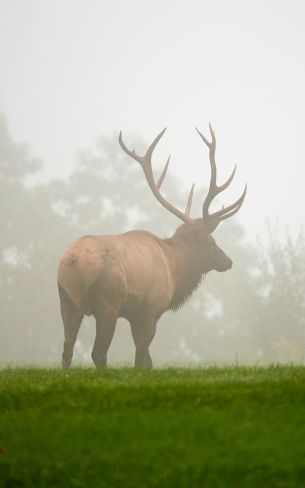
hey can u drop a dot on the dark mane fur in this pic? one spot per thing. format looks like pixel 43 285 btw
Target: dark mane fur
pixel 179 299
pixel 186 266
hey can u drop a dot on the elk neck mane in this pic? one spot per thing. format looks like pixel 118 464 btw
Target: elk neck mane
pixel 186 267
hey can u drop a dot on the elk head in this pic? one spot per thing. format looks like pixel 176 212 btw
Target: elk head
pixel 199 230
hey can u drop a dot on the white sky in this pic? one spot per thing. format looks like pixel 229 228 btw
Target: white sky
pixel 73 69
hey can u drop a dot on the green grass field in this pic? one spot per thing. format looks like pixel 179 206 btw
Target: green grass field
pixel 205 427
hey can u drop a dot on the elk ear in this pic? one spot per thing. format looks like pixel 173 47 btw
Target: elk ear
pixel 211 226
pixel 205 229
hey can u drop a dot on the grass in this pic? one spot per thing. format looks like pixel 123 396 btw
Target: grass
pixel 205 427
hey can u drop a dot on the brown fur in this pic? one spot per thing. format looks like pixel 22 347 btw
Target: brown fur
pixel 135 275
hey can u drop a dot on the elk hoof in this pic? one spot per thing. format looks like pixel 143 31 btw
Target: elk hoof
pixel 65 364
pixel 99 362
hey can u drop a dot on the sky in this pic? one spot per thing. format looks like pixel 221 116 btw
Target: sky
pixel 72 70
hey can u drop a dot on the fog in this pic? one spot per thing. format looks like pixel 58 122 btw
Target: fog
pixel 73 75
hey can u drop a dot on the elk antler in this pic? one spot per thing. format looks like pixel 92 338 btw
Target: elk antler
pixel 145 162
pixel 212 219
pixel 214 189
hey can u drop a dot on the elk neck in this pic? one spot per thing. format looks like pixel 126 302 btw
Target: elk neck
pixel 184 256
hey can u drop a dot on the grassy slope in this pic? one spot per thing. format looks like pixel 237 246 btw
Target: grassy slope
pixel 162 428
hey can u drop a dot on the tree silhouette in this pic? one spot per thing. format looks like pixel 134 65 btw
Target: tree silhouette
pixel 279 328
pixel 27 226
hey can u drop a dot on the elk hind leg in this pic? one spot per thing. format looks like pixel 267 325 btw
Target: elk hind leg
pixel 72 320
pixel 106 319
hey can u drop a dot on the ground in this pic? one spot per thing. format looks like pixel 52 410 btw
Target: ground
pixel 203 427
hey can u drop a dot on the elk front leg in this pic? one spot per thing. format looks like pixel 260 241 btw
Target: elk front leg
pixel 105 326
pixel 143 331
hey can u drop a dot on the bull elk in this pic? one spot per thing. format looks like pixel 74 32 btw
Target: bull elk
pixel 137 275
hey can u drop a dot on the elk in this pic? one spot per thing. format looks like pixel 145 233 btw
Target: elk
pixel 137 275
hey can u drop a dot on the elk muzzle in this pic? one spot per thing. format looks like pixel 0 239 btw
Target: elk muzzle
pixel 221 261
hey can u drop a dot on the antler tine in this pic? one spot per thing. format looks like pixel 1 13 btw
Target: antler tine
pixel 189 202
pixel 227 212
pixel 132 153
pixel 229 180
pixel 141 159
pixel 146 164
pixel 205 140
pixel 162 176
pixel 154 143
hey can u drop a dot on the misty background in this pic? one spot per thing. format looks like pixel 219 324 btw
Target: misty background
pixel 73 74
